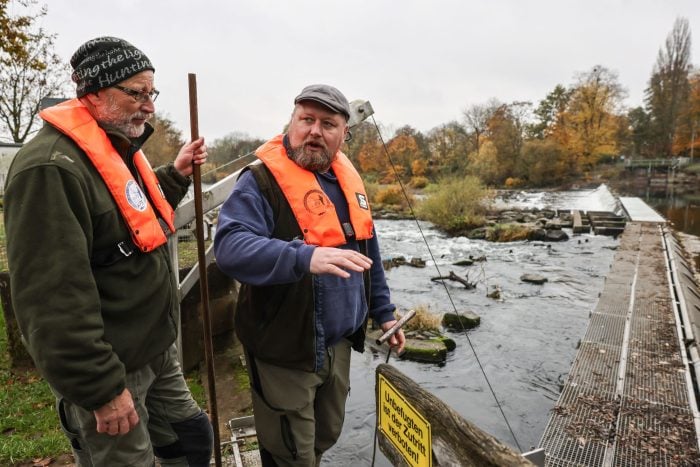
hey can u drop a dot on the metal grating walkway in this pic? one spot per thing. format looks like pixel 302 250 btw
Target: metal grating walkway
pixel 629 398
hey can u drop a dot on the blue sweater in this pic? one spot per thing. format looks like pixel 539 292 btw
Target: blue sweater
pixel 245 250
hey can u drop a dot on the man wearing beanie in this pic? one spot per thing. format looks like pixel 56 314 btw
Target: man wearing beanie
pixel 297 232
pixel 87 222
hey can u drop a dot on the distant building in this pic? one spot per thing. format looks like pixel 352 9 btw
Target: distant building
pixel 51 101
pixel 7 153
pixel 8 150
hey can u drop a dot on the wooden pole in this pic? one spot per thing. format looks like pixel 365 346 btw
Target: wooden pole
pixel 203 284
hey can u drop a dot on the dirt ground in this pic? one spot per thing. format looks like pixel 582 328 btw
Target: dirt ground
pixel 232 393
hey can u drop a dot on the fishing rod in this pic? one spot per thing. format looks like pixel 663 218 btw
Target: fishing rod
pixel 442 281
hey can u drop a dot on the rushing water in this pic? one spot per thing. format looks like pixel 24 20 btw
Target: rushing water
pixel 526 341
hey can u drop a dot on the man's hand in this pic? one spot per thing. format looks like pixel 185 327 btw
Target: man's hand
pixel 327 260
pixel 398 339
pixel 196 152
pixel 118 416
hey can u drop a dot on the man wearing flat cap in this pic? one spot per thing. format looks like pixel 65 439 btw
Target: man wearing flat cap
pixel 297 232
pixel 87 222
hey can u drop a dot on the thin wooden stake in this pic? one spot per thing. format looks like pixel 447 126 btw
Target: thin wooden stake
pixel 203 283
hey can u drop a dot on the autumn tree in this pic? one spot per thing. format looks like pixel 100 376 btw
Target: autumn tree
pixel 224 150
pixel 484 164
pixel 592 122
pixel 550 112
pixel 365 150
pixel 372 160
pixel 476 118
pixel 30 70
pixel 232 146
pixel 669 87
pixel 165 142
pixel 402 149
pixel 506 131
pixel 449 146
pixel 422 149
pixel 687 140
pixel 361 134
pixel 14 30
pixel 542 163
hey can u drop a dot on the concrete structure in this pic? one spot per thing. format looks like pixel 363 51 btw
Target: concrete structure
pixel 7 153
pixel 630 397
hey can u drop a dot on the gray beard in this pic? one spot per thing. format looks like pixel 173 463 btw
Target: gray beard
pixel 113 116
pixel 314 162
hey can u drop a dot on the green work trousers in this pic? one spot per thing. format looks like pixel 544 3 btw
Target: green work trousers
pixel 161 397
pixel 298 414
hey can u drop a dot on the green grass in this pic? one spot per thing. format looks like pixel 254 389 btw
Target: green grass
pixel 188 254
pixel 29 427
pixel 28 422
pixel 194 382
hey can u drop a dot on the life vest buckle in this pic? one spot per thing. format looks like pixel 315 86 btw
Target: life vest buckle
pixel 348 230
pixel 125 248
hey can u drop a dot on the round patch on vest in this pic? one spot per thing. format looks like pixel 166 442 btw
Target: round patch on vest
pixel 316 202
pixel 134 196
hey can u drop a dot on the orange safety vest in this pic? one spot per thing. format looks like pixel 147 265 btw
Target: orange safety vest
pixel 312 208
pixel 74 120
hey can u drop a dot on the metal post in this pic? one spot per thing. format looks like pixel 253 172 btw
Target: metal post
pixel 203 283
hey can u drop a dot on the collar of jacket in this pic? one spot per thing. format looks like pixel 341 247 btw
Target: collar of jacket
pixel 124 145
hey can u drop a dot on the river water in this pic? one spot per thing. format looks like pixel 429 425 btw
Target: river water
pixel 525 343
pixel 681 209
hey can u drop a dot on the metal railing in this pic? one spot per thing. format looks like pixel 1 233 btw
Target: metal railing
pixel 673 162
pixel 212 198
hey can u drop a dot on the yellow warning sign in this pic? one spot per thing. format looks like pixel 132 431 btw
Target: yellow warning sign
pixel 408 431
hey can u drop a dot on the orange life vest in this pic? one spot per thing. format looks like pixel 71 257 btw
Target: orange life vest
pixel 312 208
pixel 74 120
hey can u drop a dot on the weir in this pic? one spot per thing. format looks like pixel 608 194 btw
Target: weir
pixel 630 397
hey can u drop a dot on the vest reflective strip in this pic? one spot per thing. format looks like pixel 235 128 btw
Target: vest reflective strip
pixel 312 208
pixel 73 119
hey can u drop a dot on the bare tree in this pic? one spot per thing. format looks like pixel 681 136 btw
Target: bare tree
pixel 668 88
pixel 477 116
pixel 29 72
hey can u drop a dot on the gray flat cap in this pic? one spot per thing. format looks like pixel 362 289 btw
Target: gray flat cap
pixel 326 95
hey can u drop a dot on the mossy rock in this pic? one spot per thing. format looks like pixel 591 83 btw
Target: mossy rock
pixel 423 347
pixel 430 351
pixel 509 232
pixel 449 344
pixel 458 322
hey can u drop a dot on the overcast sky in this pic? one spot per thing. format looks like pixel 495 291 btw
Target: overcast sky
pixel 418 62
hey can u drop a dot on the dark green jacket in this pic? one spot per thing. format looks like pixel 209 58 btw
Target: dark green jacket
pixel 84 325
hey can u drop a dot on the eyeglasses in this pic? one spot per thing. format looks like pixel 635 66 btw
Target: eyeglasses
pixel 139 96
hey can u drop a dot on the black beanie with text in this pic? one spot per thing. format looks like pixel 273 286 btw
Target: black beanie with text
pixel 105 61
